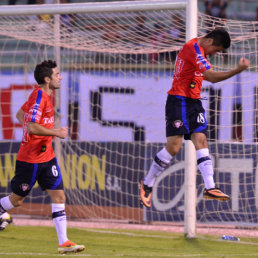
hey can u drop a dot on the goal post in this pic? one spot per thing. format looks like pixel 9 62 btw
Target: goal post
pixel 190 153
pixel 117 62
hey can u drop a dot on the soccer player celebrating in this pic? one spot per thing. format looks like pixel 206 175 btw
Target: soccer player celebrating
pixel 185 115
pixel 36 160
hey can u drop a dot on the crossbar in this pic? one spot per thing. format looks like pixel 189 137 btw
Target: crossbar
pixel 90 7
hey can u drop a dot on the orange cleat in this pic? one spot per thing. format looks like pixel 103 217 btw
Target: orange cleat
pixel 70 247
pixel 146 195
pixel 215 194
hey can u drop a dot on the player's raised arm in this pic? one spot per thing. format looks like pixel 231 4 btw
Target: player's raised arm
pixel 37 129
pixel 213 76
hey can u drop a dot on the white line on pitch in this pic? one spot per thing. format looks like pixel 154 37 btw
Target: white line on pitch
pixel 160 236
pixel 41 254
pixel 122 255
pixel 126 233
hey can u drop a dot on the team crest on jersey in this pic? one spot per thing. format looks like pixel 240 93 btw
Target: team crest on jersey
pixel 25 187
pixel 177 123
pixel 192 85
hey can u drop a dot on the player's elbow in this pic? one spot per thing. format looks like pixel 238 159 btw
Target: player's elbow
pixel 211 76
pixel 18 118
pixel 31 128
pixel 20 115
pixel 213 80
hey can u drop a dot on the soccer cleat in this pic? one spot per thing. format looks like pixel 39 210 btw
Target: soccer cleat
pixel 4 222
pixel 70 247
pixel 215 194
pixel 146 195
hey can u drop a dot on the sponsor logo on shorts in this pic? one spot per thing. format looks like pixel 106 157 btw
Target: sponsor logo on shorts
pixel 25 187
pixel 177 123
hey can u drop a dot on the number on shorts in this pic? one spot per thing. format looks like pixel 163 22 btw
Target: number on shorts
pixel 54 170
pixel 200 119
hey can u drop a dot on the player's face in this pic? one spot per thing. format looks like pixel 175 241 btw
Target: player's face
pixel 55 82
pixel 212 50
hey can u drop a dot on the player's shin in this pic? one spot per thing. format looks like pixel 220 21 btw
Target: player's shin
pixel 158 165
pixel 59 219
pixel 205 167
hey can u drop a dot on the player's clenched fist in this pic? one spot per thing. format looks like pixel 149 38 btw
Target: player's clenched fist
pixel 243 63
pixel 62 132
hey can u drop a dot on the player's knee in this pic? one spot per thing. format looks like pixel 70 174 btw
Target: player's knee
pixel 16 200
pixel 174 144
pixel 199 140
pixel 63 199
pixel 173 150
pixel 58 199
pixel 17 203
pixel 203 144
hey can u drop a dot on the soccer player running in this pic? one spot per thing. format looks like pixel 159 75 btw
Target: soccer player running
pixel 185 115
pixel 36 160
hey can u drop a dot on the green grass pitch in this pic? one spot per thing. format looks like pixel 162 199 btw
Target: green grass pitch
pixel 31 241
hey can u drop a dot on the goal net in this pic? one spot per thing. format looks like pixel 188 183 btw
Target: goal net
pixel 116 68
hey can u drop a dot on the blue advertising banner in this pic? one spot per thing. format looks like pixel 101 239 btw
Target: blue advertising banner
pixel 107 174
pixel 235 172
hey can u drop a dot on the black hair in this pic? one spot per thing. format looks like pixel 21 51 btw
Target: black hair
pixel 220 37
pixel 43 70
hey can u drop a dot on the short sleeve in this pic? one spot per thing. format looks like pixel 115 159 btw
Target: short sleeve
pixel 200 62
pixel 35 106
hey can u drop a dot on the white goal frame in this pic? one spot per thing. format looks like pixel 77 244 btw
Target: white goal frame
pixel 191 32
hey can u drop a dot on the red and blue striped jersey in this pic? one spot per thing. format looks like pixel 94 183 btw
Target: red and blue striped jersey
pixel 190 65
pixel 38 109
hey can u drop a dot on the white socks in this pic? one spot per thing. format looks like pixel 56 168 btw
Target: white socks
pixel 59 219
pixel 206 168
pixel 5 204
pixel 158 165
pixel 163 158
pixel 5 216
